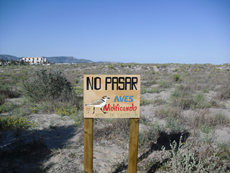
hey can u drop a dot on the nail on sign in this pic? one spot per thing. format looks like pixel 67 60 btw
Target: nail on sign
pixel 112 96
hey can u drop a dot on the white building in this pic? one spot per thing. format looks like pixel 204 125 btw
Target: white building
pixel 35 60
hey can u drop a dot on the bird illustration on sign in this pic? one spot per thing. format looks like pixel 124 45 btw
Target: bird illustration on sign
pixel 98 103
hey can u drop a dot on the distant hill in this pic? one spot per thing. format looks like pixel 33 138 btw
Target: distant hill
pixel 66 59
pixel 54 59
pixel 9 57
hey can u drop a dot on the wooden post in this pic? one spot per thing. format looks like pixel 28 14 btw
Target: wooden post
pixel 88 145
pixel 133 144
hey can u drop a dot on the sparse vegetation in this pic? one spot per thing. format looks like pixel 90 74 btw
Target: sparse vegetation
pixel 149 83
pixel 176 77
pixel 186 160
pixel 115 127
pixel 154 90
pixel 47 85
pixel 224 92
pixel 199 101
pixel 185 100
pixel 14 123
pixel 176 100
pixel 77 81
pixel 6 92
pixel 168 112
pixel 144 101
pixel 221 119
pixel 164 84
pixel 146 137
pixel 7 107
pixel 175 125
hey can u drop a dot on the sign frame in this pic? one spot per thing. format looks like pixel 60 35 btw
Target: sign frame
pixel 133 129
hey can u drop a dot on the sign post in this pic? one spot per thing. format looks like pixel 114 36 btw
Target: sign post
pixel 111 96
pixel 88 145
pixel 133 144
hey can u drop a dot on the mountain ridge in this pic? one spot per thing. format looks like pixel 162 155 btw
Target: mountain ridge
pixel 8 57
pixel 52 59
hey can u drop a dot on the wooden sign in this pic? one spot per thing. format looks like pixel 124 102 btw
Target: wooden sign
pixel 112 96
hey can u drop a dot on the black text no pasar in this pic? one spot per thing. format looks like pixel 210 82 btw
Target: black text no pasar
pixel 116 83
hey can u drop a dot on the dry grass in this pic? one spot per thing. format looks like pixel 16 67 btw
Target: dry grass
pixel 193 83
pixel 168 112
pixel 204 116
pixel 224 92
pixel 112 127
pixel 203 159
pixel 220 118
pixel 6 92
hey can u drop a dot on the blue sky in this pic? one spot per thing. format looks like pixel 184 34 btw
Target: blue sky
pixel 147 31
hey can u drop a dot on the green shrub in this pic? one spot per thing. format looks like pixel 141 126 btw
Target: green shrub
pixel 163 84
pixel 224 152
pixel 159 101
pixel 6 92
pixel 175 125
pixel 176 77
pixel 122 65
pixel 205 90
pixel 78 90
pixel 149 83
pixel 168 112
pixel 72 112
pixel 199 101
pixel 47 85
pixel 2 100
pixel 199 98
pixel 205 128
pixel 66 111
pixel 176 94
pixel 111 66
pixel 154 90
pixel 183 102
pixel 187 160
pixel 7 107
pixel 185 88
pixel 14 122
pixel 145 101
pixel 143 90
pixel 142 139
pixel 213 103
pixel 147 137
pixel 77 81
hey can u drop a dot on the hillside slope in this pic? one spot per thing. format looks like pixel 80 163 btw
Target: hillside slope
pixel 53 59
pixel 9 57
pixel 66 59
